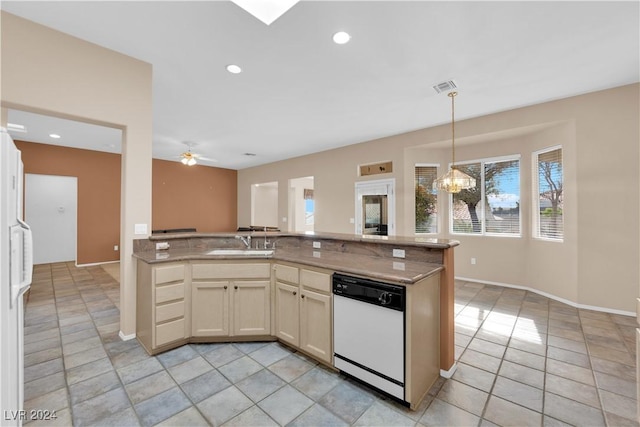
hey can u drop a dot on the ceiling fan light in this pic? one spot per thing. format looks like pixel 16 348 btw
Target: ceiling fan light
pixel 184 160
pixel 191 161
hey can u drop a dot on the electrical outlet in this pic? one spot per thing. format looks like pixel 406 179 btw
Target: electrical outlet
pixel 115 247
pixel 473 261
pixel 398 265
pixel 398 253
pixel 317 245
pixel 160 246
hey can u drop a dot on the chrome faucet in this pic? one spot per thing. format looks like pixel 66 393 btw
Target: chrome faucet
pixel 246 240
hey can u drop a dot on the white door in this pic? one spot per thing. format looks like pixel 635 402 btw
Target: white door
pixel 379 195
pixel 51 206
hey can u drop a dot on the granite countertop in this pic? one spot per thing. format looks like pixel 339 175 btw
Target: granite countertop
pixel 387 269
pixel 404 240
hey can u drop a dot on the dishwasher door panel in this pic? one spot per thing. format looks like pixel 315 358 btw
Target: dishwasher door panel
pixel 370 335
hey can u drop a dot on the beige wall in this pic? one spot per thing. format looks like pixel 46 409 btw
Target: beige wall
pixel 596 265
pixel 45 71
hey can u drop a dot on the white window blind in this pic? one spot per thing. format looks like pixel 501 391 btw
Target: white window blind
pixel 466 205
pixel 426 212
pixel 548 204
pixel 502 192
pixel 493 205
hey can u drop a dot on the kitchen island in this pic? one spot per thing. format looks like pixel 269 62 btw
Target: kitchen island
pixel 208 287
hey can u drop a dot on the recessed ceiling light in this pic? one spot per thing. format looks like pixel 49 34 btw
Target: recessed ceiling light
pixel 250 154
pixel 341 37
pixel 54 135
pixel 234 69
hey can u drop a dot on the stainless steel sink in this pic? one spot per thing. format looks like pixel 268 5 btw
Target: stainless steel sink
pixel 241 252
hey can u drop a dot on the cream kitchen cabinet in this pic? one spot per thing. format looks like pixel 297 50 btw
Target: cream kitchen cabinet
pixel 303 309
pixel 162 317
pixel 230 299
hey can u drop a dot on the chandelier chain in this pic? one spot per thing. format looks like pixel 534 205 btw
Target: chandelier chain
pixel 452 95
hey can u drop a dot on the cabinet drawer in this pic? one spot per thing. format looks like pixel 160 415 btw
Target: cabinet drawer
pixel 315 280
pixel 170 331
pixel 168 274
pixel 169 292
pixel 169 311
pixel 231 271
pixel 286 273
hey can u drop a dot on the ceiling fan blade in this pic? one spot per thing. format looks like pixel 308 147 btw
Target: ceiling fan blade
pixel 203 158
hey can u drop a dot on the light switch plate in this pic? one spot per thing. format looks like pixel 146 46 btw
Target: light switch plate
pixel 140 229
pixel 317 245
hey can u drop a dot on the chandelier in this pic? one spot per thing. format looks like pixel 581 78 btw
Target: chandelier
pixel 454 180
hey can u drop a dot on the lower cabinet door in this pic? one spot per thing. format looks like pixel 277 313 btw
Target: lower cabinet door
pixel 315 324
pixel 251 307
pixel 210 308
pixel 287 313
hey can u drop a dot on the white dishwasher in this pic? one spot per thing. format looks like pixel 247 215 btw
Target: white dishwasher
pixel 369 332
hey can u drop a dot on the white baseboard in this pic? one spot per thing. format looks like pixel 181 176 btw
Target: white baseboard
pixel 449 373
pixel 124 337
pixel 96 263
pixel 551 296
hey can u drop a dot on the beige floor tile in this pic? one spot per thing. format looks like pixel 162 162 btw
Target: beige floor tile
pixel 505 339
pixel 504 413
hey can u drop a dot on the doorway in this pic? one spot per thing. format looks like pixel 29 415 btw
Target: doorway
pixel 51 210
pixel 264 205
pixel 301 205
pixel 375 207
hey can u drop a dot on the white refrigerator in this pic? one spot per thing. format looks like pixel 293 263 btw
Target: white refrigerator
pixel 16 266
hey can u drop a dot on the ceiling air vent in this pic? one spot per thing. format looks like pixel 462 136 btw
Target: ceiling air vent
pixel 447 86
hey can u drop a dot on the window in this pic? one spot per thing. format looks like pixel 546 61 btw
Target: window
pixel 493 205
pixel 426 199
pixel 309 206
pixel 548 200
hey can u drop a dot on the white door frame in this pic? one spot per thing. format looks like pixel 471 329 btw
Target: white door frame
pixel 377 187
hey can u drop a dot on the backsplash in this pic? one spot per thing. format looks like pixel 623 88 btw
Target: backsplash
pixel 288 241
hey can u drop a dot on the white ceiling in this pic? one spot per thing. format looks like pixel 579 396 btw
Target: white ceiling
pixel 300 93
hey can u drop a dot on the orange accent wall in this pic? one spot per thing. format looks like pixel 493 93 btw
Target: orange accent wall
pixel 197 196
pixel 98 176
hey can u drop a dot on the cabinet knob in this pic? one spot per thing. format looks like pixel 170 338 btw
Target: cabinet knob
pixel 235 287
pixel 225 286
pixel 301 296
pixel 295 293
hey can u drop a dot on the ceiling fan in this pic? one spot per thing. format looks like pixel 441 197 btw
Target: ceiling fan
pixel 188 158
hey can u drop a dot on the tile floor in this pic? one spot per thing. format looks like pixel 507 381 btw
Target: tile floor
pixel 523 360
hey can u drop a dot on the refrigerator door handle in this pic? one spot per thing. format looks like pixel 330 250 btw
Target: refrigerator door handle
pixel 21 260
